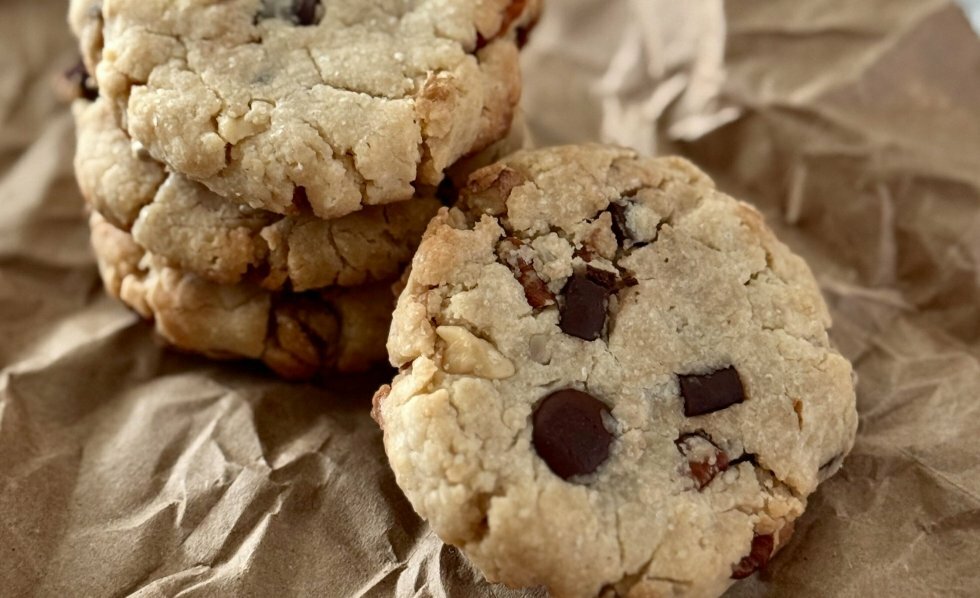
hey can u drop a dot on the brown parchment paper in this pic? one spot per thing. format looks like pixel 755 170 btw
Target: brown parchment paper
pixel 129 470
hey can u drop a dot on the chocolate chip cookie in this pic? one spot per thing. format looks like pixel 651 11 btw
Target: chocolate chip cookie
pixel 614 380
pixel 298 335
pixel 190 228
pixel 287 105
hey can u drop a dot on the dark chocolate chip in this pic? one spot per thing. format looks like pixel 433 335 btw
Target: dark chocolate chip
pixel 569 433
pixel 83 86
pixel 707 393
pixel 758 557
pixel 305 11
pixel 586 295
pixel 705 459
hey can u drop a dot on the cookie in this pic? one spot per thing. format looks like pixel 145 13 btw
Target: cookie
pixel 288 105
pixel 196 231
pixel 614 380
pixel 298 335
pixel 85 19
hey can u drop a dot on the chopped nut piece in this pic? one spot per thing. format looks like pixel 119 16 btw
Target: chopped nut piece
pixel 535 290
pixel 467 354
pixel 758 557
pixel 704 457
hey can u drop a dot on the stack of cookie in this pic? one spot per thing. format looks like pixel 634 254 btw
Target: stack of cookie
pixel 261 171
pixel 613 379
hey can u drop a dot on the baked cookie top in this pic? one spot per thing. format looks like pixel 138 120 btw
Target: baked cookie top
pixel 300 336
pixel 278 104
pixel 614 379
pixel 192 229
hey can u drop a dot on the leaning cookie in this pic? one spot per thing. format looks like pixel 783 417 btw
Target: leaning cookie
pixel 343 104
pixel 298 335
pixel 196 231
pixel 614 379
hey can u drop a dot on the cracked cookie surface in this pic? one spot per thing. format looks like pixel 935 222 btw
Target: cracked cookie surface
pixel 614 380
pixel 298 335
pixel 354 101
pixel 194 230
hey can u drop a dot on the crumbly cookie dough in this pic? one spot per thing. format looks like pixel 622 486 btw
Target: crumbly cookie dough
pixel 196 231
pixel 298 335
pixel 614 380
pixel 331 105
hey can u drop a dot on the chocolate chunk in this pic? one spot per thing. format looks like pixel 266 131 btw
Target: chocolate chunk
pixel 569 434
pixel 705 459
pixel 757 558
pixel 81 82
pixel 305 11
pixel 707 393
pixel 586 295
